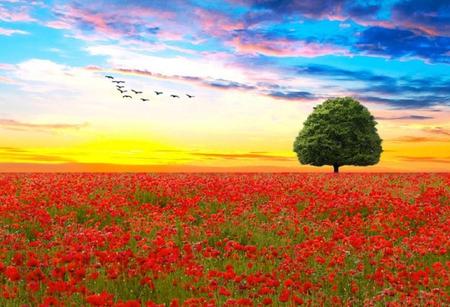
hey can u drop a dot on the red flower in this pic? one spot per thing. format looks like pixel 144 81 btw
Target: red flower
pixel 288 282
pixel 284 297
pixel 174 303
pixel 96 300
pixel 33 286
pixel 94 275
pixel 224 291
pixel 297 300
pixel 32 262
pixel 49 301
pixel 132 303
pixel 12 273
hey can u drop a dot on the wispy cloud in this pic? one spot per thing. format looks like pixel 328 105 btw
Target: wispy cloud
pixel 399 43
pixel 437 130
pixel 13 13
pixel 22 126
pixel 293 95
pixel 255 44
pixel 6 66
pixel 421 102
pixel 430 17
pixel 405 117
pixel 206 82
pixel 31 155
pixel 5 79
pixel 249 155
pixel 9 32
pixel 424 159
pixel 417 139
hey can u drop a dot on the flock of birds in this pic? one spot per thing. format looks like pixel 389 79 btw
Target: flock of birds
pixel 121 89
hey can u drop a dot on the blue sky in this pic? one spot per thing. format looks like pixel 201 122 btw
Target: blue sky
pixel 256 68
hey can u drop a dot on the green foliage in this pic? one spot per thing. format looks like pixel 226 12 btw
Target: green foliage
pixel 339 132
pixel 146 197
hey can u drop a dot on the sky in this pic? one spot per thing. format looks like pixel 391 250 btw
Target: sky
pixel 255 69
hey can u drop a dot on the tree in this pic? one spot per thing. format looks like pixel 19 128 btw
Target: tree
pixel 339 132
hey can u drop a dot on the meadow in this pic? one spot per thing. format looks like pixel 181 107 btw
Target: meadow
pixel 281 239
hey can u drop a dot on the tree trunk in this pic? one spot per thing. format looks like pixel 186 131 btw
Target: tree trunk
pixel 336 168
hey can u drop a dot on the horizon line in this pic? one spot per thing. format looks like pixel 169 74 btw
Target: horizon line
pixel 8 167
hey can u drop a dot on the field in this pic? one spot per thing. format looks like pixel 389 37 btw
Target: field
pixel 134 240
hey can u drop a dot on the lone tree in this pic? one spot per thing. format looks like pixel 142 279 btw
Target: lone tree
pixel 339 132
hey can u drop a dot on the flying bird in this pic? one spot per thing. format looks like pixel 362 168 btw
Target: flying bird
pixel 122 91
pixel 109 77
pixel 190 96
pixel 118 81
pixel 120 86
pixel 174 96
pixel 158 93
pixel 127 96
pixel 136 92
pixel 144 99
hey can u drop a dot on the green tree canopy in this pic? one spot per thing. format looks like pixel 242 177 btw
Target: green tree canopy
pixel 339 132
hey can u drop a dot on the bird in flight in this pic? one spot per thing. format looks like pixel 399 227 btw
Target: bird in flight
pixel 127 96
pixel 122 91
pixel 174 96
pixel 109 77
pixel 136 92
pixel 120 86
pixel 144 99
pixel 158 93
pixel 190 96
pixel 118 81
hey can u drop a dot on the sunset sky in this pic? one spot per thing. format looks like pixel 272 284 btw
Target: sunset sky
pixel 256 69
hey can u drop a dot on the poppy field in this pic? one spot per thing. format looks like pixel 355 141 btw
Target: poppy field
pixel 253 239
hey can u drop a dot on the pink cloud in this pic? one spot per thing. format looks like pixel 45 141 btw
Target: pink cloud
pixel 115 23
pixel 215 23
pixel 58 25
pixel 6 66
pixel 4 79
pixel 16 125
pixel 9 32
pixel 283 48
pixel 20 15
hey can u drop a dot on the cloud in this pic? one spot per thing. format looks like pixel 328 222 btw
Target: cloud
pixel 313 9
pixel 430 17
pixel 205 82
pixel 222 84
pixel 407 87
pixel 6 66
pixel 33 157
pixel 21 154
pixel 394 92
pixel 399 43
pixel 134 21
pixel 292 95
pixel 5 79
pixel 227 84
pixel 342 74
pixel 283 47
pixel 437 130
pixel 9 32
pixel 15 13
pixel 249 155
pixel 424 159
pixel 415 117
pixel 420 102
pixel 20 126
pixel 417 139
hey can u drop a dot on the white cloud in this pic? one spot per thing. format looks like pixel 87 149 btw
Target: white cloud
pixel 9 32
